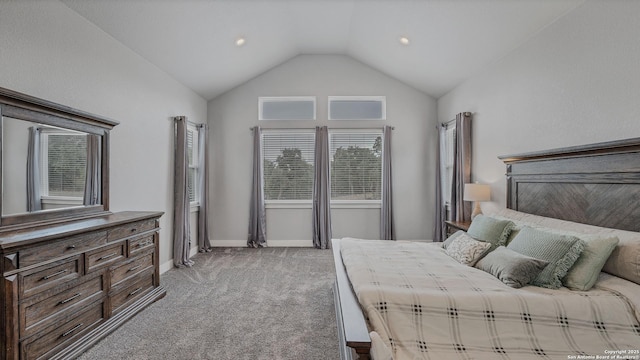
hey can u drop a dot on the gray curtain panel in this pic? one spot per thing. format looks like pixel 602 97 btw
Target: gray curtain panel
pixel 439 230
pixel 181 227
pixel 461 210
pixel 34 198
pixel 204 243
pixel 257 215
pixel 92 185
pixel 387 227
pixel 321 191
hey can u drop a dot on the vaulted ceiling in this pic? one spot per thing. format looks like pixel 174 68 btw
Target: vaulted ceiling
pixel 195 40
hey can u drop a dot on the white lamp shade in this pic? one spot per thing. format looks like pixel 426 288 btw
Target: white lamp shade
pixel 477 192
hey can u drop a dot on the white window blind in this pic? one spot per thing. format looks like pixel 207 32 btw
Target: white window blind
pixel 356 165
pixel 288 164
pixel 66 164
pixel 192 155
pixel 449 141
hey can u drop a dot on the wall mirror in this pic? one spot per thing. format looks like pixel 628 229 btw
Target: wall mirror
pixel 54 162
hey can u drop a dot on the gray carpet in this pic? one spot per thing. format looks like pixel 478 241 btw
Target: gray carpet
pixel 239 303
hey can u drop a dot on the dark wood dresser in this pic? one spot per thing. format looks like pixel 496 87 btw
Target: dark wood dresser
pixel 67 285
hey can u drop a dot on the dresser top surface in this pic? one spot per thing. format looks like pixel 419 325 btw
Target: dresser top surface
pixel 22 237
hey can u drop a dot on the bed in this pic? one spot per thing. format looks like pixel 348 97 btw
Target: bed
pixel 592 190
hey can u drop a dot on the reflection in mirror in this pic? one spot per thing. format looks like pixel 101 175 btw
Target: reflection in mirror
pixel 47 167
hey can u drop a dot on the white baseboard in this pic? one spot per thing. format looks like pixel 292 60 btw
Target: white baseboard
pixel 270 243
pixel 168 265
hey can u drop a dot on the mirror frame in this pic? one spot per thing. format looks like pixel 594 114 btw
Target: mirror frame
pixel 25 107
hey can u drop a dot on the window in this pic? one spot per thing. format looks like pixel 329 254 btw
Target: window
pixel 287 108
pixel 449 143
pixel 192 155
pixel 356 165
pixel 357 107
pixel 288 157
pixel 63 164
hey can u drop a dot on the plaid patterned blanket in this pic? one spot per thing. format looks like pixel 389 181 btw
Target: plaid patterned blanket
pixel 426 305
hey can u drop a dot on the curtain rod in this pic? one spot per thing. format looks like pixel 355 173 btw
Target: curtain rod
pixel 448 122
pixel 313 128
pixel 177 118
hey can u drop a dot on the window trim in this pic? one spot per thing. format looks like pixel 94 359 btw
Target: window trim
pixel 334 204
pixel 284 204
pixel 357 204
pixel 263 99
pixel 448 166
pixel 45 198
pixel 195 157
pixel 381 98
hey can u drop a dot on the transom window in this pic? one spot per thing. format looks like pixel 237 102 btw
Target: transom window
pixel 357 107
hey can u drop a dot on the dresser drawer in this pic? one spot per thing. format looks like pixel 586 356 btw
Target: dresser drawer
pixel 56 336
pixel 51 275
pixel 100 258
pixel 132 291
pixel 41 314
pixel 69 246
pixel 131 268
pixel 141 244
pixel 131 229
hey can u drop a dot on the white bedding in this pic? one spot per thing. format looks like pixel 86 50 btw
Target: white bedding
pixel 425 305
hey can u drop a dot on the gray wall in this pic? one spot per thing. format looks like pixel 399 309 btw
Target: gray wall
pixel 51 52
pixel 15 146
pixel 576 82
pixel 412 112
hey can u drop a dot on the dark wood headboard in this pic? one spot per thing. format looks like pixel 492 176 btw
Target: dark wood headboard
pixel 596 184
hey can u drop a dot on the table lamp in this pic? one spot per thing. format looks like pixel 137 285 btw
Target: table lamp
pixel 477 192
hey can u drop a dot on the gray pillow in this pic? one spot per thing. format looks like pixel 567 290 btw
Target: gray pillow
pixel 512 268
pixel 561 251
pixel 584 273
pixel 491 230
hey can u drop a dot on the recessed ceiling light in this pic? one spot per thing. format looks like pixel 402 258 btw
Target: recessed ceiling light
pixel 404 40
pixel 240 41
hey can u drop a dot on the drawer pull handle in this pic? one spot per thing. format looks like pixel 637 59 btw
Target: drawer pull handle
pixel 69 299
pixel 107 256
pixel 135 291
pixel 69 332
pixel 54 274
pixel 135 268
pixel 71 247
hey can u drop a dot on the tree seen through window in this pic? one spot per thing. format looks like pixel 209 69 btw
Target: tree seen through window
pixel 355 165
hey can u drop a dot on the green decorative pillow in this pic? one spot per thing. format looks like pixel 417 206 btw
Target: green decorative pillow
pixel 489 229
pixel 584 273
pixel 512 268
pixel 561 251
pixel 466 250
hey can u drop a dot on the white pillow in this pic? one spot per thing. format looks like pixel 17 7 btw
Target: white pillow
pixel 466 250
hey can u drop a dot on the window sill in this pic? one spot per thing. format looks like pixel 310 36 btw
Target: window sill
pixel 288 205
pixel 62 200
pixel 355 204
pixel 336 204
